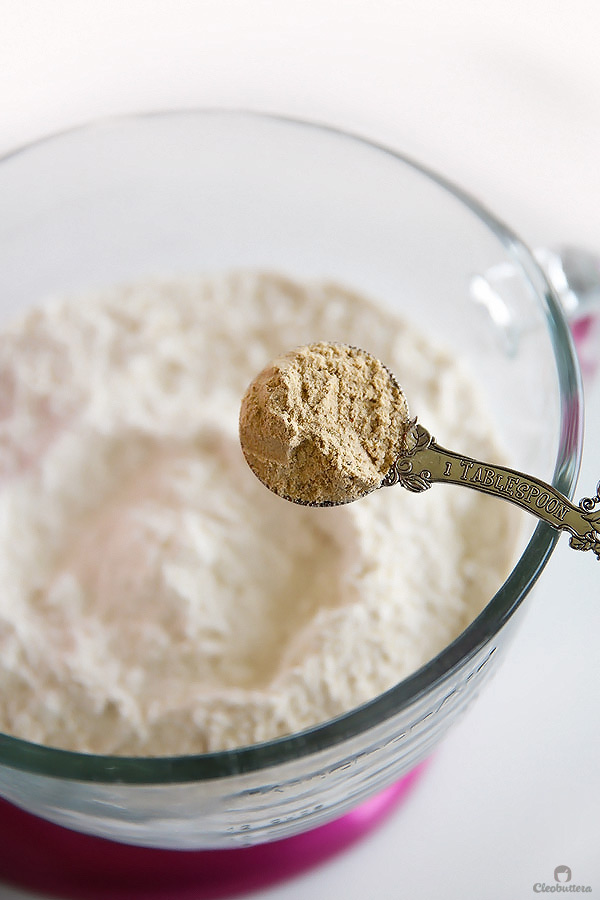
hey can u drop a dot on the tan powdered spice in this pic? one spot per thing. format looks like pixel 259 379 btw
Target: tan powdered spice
pixel 323 424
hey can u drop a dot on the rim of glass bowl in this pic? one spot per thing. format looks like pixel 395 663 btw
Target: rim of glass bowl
pixel 49 761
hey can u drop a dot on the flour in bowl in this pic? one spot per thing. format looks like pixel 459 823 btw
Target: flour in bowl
pixel 155 598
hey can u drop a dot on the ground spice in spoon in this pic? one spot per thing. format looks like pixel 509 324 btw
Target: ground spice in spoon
pixel 323 424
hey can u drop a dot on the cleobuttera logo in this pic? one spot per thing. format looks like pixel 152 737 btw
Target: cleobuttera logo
pixel 562 878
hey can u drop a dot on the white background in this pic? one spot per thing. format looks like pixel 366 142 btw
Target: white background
pixel 504 98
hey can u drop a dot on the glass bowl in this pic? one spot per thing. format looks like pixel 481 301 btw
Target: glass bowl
pixel 195 191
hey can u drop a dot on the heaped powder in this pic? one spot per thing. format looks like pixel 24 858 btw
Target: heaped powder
pixel 155 598
pixel 323 423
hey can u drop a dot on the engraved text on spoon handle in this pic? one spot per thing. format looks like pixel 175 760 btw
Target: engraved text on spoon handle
pixel 425 462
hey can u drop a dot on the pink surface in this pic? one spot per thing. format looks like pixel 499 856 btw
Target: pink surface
pixel 39 856
pixel 586 333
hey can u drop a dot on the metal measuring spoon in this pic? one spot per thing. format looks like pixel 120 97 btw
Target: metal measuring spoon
pixel 416 461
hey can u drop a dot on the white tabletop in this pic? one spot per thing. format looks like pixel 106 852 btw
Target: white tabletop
pixel 504 98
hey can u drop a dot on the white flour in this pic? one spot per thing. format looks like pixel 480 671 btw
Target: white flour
pixel 155 598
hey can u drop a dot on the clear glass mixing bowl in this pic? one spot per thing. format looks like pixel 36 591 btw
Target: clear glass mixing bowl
pixel 195 191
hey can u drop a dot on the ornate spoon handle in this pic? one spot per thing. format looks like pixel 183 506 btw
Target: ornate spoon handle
pixel 425 462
